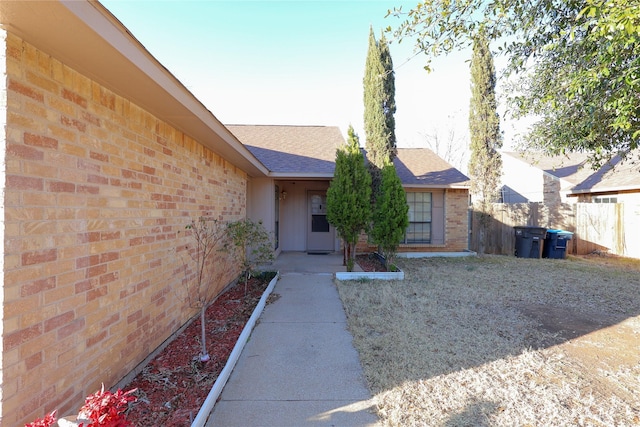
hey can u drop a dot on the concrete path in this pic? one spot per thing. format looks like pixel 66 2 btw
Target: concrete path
pixel 299 367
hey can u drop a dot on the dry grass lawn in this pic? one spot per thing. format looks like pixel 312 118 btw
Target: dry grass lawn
pixel 501 341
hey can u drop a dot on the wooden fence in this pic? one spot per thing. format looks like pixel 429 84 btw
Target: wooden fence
pixel 604 227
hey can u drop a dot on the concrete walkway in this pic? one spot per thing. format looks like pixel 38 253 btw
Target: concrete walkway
pixel 299 367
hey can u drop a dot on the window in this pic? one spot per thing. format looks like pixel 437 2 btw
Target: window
pixel 419 229
pixel 604 199
pixel 319 223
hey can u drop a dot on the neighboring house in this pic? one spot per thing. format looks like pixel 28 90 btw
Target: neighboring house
pixel 533 177
pixel 107 157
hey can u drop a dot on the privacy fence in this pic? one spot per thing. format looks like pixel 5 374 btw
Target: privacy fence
pixel 607 228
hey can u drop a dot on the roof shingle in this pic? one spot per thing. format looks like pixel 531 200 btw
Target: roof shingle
pixel 292 149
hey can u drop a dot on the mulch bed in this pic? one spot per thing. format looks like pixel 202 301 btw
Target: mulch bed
pixel 370 262
pixel 175 384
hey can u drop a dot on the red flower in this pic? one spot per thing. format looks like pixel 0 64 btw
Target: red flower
pixel 107 409
pixel 47 421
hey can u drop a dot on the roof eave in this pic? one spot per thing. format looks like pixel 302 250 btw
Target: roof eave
pixel 439 186
pixel 85 36
pixel 301 175
pixel 627 188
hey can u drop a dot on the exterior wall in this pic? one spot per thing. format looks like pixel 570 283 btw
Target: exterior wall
pixel 457 220
pixel 261 202
pixel 450 224
pixel 294 215
pixel 521 182
pixel 97 196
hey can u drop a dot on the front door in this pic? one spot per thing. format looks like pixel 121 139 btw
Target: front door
pixel 320 235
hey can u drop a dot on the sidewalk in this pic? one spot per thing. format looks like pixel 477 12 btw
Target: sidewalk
pixel 299 367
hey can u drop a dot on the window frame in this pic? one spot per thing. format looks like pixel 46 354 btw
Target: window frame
pixel 424 222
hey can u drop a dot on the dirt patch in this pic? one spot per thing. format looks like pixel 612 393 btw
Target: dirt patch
pixel 564 322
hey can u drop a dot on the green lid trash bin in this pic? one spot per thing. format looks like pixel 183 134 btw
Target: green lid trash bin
pixel 529 241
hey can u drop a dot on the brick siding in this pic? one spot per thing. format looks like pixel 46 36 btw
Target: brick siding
pixel 98 194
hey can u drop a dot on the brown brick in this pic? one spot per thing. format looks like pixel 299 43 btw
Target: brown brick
pixel 71 328
pixel 97 293
pixel 110 320
pixel 73 123
pixel 32 361
pixel 24 152
pixel 61 187
pixel 17 182
pixel 26 90
pixel 74 97
pixel 38 286
pixel 99 156
pixel 38 257
pixel 14 339
pixel 83 286
pixel 58 321
pixel 96 339
pixel 96 270
pixel 40 141
pixel 109 277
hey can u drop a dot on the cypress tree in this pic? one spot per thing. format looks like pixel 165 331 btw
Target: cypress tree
pixel 390 214
pixel 485 165
pixel 379 106
pixel 349 196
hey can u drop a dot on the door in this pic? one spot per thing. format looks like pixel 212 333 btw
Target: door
pixel 320 235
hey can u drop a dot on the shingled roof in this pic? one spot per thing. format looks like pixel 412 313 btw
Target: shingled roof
pixel 310 152
pixel 292 151
pixel 421 167
pixel 574 168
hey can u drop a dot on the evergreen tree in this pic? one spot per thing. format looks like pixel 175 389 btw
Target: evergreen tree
pixel 379 106
pixel 349 196
pixel 485 165
pixel 390 215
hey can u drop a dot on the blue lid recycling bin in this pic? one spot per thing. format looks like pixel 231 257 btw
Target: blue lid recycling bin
pixel 555 244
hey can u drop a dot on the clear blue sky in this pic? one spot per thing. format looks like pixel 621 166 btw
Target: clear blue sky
pixel 295 62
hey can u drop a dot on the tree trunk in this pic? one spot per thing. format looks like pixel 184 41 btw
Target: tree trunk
pixel 204 355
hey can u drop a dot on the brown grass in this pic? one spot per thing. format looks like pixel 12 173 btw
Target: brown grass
pixel 501 341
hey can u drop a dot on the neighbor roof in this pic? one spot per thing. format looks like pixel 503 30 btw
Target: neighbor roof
pixel 421 167
pixel 615 175
pixel 292 151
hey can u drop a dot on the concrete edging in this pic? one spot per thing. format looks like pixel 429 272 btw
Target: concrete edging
pixel 373 275
pixel 212 397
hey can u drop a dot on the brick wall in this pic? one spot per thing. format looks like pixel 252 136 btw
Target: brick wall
pixel 98 193
pixel 456 210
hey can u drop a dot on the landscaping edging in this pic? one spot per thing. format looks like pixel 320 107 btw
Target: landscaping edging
pixel 212 397
pixel 379 275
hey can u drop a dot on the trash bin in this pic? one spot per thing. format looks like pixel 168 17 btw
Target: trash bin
pixel 555 244
pixel 529 241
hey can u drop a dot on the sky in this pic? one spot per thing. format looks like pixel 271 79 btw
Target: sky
pixel 299 62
